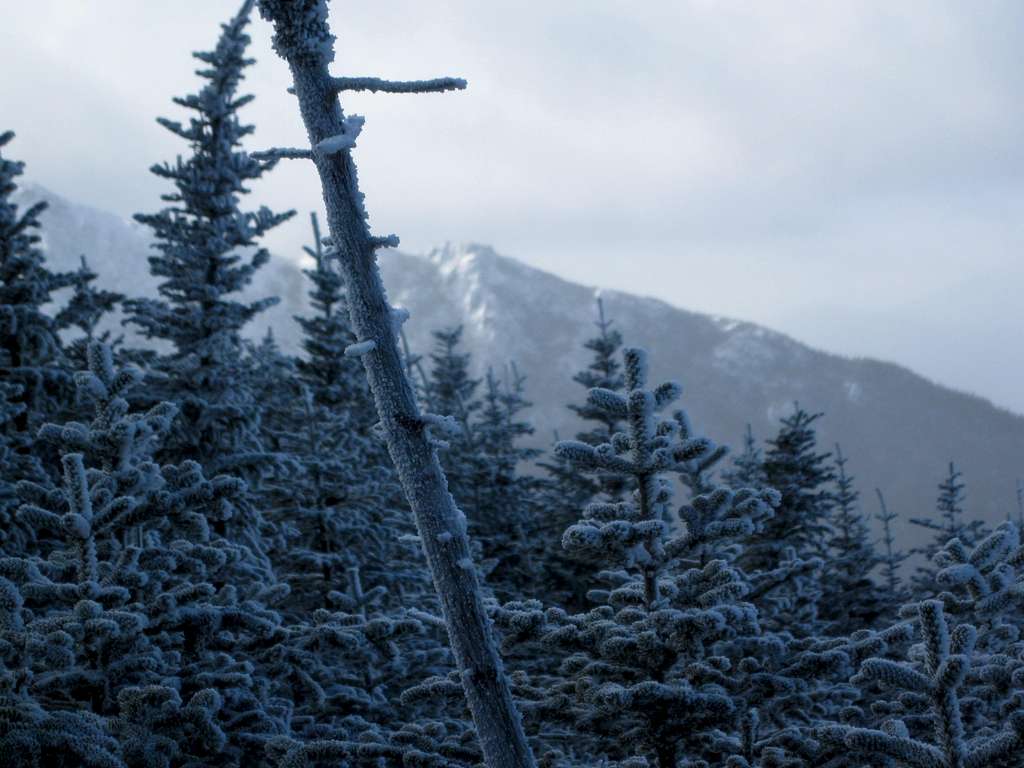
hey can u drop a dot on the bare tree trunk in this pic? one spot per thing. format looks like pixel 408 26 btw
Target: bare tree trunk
pixel 302 38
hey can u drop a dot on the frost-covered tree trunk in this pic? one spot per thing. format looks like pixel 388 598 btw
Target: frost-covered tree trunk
pixel 303 39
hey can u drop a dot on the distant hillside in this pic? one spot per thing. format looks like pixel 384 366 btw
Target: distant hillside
pixel 898 429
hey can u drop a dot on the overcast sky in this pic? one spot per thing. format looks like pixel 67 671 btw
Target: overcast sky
pixel 848 172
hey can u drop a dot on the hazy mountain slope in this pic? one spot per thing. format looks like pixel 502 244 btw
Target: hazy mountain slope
pixel 117 248
pixel 898 429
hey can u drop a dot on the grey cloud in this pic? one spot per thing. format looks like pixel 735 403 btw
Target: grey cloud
pixel 849 172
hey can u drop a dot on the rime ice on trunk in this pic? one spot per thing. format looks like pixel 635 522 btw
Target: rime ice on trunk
pixel 303 39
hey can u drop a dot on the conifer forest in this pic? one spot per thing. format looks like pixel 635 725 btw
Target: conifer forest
pixel 214 552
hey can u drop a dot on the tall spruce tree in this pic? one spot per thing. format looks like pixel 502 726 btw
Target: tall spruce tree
pixel 34 382
pixel 452 391
pixel 566 490
pixel 621 679
pixel 207 251
pixel 347 522
pixel 507 498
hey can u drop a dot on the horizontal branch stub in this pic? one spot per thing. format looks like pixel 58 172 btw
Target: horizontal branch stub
pixel 374 84
pixel 384 241
pixel 360 348
pixel 283 153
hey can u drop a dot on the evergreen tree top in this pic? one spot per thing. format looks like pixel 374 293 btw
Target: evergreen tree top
pixel 16 236
pixel 747 469
pixel 88 303
pixel 25 283
pixel 208 247
pixel 452 389
pixel 335 380
pixel 793 466
pixel 605 372
pixel 950 502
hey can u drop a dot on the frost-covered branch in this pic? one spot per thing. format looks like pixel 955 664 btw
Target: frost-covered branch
pixel 375 84
pixel 282 153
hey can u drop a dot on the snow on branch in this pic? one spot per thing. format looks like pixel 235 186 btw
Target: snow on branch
pixel 362 348
pixel 282 153
pixel 374 84
pixel 383 241
pixel 342 141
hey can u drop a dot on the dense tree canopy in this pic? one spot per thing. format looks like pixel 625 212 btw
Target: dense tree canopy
pixel 214 552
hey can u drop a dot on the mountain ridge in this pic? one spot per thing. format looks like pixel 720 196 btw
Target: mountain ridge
pixel 898 428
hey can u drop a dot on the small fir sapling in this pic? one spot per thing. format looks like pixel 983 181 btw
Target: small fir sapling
pixel 605 371
pixel 797 535
pixel 951 525
pixel 34 382
pixel 747 470
pixel 85 309
pixel 892 557
pixel 851 599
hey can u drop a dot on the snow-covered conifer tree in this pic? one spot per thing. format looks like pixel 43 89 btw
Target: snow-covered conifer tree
pixel 618 685
pixel 935 677
pixel 137 615
pixel 604 370
pixel 747 470
pixel 87 306
pixel 335 380
pixel 507 500
pixel 850 598
pixel 567 490
pixel 799 530
pixel 34 380
pixel 207 251
pixel 951 524
pixel 892 557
